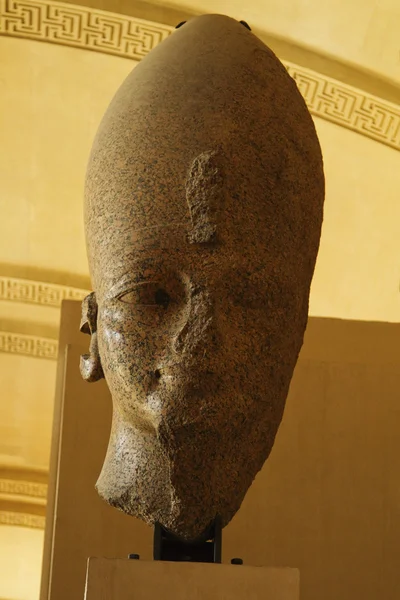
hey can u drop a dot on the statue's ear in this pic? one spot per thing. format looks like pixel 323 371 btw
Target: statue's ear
pixel 89 314
pixel 90 365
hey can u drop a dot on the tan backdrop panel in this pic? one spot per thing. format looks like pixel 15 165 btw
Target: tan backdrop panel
pixel 327 500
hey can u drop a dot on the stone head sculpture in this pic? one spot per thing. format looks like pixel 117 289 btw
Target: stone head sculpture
pixel 203 210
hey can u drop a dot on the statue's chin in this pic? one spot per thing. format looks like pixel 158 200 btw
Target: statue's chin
pixel 135 474
pixel 182 482
pixel 157 502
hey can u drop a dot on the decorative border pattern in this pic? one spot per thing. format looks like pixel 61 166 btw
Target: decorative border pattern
pixel 28 345
pixel 22 500
pixel 347 106
pixel 23 488
pixel 80 27
pixel 129 37
pixel 34 292
pixel 17 519
pixel 37 292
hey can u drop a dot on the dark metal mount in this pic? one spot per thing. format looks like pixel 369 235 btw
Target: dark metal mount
pixel 207 549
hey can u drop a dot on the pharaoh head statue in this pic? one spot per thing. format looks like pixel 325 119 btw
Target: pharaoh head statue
pixel 203 211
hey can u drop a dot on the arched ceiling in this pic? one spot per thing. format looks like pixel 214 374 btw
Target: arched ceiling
pixel 61 64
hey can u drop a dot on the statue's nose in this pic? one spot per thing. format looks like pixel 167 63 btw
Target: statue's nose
pixel 198 335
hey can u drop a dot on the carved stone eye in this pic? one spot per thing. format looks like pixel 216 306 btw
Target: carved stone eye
pixel 162 298
pixel 147 294
pixel 180 24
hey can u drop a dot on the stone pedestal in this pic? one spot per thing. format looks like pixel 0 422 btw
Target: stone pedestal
pixel 123 579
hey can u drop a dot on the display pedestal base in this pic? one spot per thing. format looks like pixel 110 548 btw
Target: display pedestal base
pixel 123 579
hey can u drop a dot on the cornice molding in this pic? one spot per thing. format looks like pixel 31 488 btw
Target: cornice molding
pixel 31 489
pixel 23 494
pixel 132 38
pixel 80 27
pixel 13 289
pixel 17 519
pixel 348 107
pixel 28 345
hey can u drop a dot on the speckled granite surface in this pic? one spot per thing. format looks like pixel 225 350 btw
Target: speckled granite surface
pixel 203 210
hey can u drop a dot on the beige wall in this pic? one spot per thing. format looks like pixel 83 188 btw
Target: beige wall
pixel 48 118
pixel 20 560
pixel 26 410
pixel 357 273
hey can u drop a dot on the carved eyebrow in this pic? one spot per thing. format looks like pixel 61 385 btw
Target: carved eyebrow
pixel 130 279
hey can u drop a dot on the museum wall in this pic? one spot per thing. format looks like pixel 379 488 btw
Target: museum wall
pixel 357 273
pixel 20 558
pixel 49 115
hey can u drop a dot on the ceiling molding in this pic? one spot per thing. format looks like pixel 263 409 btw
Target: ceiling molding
pixel 23 493
pixel 81 27
pixel 13 289
pixel 28 345
pixel 130 37
pixel 38 292
pixel 31 489
pixel 348 107
pixel 19 519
